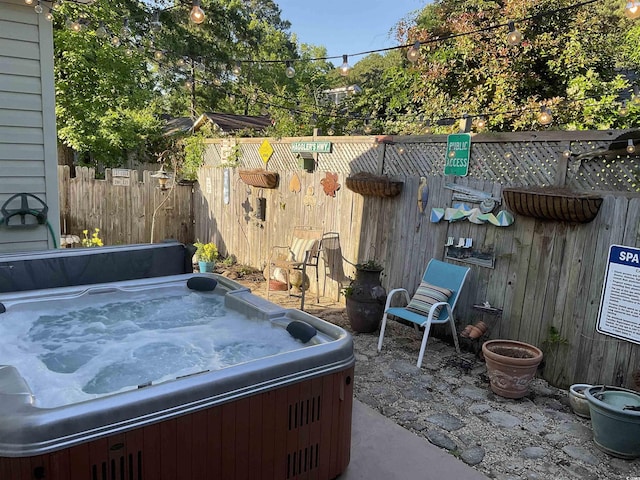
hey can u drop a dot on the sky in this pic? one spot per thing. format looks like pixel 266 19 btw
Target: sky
pixel 347 26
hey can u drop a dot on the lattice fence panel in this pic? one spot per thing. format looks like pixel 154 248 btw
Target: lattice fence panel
pixel 519 163
pixel 621 173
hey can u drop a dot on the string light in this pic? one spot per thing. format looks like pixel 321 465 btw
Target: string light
pixel 125 31
pixel 28 2
pixel 56 6
pixel 624 110
pixel 632 10
pixel 481 122
pixel 345 67
pixel 631 148
pixel 236 69
pixel 414 52
pixel 545 117
pixel 514 37
pixel 197 15
pixel 115 41
pixel 38 8
pixel 101 31
pixel 49 16
pixel 155 24
pixel 158 55
pixel 289 71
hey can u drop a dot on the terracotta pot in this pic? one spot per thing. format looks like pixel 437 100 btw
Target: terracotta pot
pixel 477 330
pixel 511 366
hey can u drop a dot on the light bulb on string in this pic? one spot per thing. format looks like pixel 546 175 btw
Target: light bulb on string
pixel 101 31
pixel 129 52
pixel 631 148
pixel 188 84
pixel 76 26
pixel 49 15
pixel 545 117
pixel 345 67
pixel 115 41
pixel 330 131
pixel 180 62
pixel 28 2
pixel 481 123
pixel 236 69
pixel 632 10
pixel 38 8
pixel 514 37
pixel 155 24
pixel 197 15
pixel 158 55
pixel 567 154
pixel 414 52
pixel 427 127
pixel 289 71
pixel 56 6
pixel 624 110
pixel 125 31
pixel 217 81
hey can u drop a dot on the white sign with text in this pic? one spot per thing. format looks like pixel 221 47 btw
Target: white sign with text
pixel 619 314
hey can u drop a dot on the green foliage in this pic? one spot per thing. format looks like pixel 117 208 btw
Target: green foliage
pixel 554 338
pixel 571 61
pixel 370 265
pixel 206 252
pixel 194 148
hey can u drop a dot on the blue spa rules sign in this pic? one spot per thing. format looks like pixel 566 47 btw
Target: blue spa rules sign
pixel 619 313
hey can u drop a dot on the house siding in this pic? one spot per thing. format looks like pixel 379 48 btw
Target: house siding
pixel 28 157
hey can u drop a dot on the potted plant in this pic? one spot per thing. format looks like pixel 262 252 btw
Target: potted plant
pixel 511 366
pixel 206 254
pixel 365 298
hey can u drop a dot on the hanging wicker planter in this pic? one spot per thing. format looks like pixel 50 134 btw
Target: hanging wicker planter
pixel 366 183
pixel 259 178
pixel 552 204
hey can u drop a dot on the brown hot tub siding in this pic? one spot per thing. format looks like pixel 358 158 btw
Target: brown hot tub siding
pixel 300 431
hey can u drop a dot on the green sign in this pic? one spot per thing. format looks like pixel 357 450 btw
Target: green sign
pixel 458 153
pixel 311 147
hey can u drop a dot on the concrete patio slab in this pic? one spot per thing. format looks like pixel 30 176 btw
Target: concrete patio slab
pixel 382 450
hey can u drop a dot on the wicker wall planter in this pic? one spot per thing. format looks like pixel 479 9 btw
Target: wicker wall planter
pixel 552 204
pixel 259 178
pixel 366 183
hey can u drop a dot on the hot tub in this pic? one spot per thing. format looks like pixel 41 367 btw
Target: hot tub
pixel 284 416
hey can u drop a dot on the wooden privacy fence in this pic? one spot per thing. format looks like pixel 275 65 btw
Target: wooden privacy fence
pixel 123 209
pixel 546 276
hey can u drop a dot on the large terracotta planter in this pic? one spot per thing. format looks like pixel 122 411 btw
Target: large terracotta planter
pixel 511 366
pixel 365 304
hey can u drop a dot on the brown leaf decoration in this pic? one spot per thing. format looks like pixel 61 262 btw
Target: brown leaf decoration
pixel 330 184
pixel 294 184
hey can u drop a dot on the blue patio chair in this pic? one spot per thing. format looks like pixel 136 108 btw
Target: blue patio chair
pixel 433 302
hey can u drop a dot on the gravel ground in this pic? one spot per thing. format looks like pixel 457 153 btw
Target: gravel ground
pixel 448 401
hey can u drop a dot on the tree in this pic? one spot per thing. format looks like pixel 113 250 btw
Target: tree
pixel 569 60
pixel 104 103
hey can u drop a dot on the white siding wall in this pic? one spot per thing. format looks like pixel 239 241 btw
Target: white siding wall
pixel 28 160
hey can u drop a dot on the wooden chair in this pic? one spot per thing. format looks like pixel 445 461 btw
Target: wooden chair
pixel 433 302
pixel 303 252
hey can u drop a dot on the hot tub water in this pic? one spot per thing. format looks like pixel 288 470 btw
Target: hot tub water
pixel 97 344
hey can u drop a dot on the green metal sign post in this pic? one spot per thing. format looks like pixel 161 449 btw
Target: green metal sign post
pixel 458 153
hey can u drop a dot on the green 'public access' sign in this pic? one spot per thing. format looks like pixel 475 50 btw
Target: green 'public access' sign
pixel 458 153
pixel 311 147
